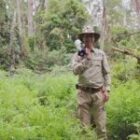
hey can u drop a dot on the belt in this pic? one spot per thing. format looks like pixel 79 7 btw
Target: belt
pixel 88 89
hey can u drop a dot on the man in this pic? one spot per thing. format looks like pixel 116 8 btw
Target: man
pixel 93 84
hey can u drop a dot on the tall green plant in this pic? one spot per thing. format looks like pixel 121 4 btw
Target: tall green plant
pixel 61 23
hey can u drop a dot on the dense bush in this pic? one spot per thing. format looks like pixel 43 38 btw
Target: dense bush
pixel 124 110
pixel 5 59
pixel 124 69
pixel 45 61
pixel 40 107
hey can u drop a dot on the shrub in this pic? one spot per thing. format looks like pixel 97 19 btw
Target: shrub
pixel 23 116
pixel 123 110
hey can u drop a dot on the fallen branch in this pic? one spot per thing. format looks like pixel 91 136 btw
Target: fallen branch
pixel 127 52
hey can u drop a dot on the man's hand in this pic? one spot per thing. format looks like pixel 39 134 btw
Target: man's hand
pixel 88 53
pixel 105 94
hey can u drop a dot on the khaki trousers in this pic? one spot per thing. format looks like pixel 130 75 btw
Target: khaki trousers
pixel 91 112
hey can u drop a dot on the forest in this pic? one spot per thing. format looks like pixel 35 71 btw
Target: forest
pixel 37 85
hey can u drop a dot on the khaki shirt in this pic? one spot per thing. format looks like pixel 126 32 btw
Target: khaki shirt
pixel 94 72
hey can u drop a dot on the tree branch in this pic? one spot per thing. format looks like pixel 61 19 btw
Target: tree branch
pixel 127 52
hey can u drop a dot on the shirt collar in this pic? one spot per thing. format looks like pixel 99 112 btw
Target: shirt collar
pixel 93 50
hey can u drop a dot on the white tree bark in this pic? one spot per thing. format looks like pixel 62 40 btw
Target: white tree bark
pixel 20 27
pixel 104 27
pixel 137 9
pixel 12 36
pixel 46 4
pixel 19 17
pixel 30 18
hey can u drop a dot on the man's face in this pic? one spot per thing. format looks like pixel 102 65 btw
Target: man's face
pixel 88 41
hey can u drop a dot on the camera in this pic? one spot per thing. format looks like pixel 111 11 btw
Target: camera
pixel 82 52
pixel 80 47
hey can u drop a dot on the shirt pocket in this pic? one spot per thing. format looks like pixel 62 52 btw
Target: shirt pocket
pixel 97 62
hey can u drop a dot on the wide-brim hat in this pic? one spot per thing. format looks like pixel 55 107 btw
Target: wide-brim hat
pixel 88 31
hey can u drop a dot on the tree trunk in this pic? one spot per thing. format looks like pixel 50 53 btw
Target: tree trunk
pixel 30 18
pixel 12 36
pixel 104 35
pixel 136 5
pixel 42 4
pixel 46 4
pixel 20 27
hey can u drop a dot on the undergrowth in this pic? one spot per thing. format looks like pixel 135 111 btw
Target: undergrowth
pixel 43 107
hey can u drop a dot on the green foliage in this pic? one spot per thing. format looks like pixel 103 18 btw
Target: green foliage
pixel 126 38
pixel 136 136
pixel 124 69
pixel 115 12
pixel 2 11
pixel 31 42
pixel 44 61
pixel 23 115
pixel 123 109
pixel 61 23
pixel 120 35
pixel 44 107
pixel 5 58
